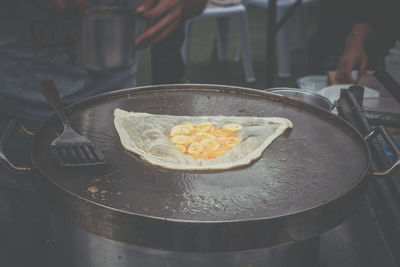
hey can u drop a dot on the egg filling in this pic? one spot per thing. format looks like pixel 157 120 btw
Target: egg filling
pixel 204 140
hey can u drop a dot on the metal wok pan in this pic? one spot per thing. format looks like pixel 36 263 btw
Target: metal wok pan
pixel 307 181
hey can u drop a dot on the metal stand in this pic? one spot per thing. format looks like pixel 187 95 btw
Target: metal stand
pixel 76 247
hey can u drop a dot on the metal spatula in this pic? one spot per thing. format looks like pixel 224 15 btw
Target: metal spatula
pixel 70 148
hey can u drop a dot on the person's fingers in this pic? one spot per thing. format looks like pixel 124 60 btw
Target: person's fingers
pixel 363 66
pixel 347 72
pixel 145 6
pixel 343 72
pixel 171 27
pixel 151 39
pixel 160 9
pixel 340 74
pixel 144 39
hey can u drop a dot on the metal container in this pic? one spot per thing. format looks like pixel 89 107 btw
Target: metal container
pixel 307 97
pixel 106 38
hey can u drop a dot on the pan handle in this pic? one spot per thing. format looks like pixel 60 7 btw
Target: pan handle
pixel 392 144
pixel 12 123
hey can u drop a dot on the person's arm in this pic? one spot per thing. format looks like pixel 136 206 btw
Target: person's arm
pixel 168 14
pixel 367 15
pixel 354 53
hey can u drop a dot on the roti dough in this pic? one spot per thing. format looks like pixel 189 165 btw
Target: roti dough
pixel 148 136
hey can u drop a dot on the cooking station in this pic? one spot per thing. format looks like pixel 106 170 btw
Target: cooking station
pixel 315 209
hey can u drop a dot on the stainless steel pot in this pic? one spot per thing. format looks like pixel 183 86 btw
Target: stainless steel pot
pixel 106 38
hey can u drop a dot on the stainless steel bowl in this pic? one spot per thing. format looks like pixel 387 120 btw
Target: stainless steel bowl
pixel 306 97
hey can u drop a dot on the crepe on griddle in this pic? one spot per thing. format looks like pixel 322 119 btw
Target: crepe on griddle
pixel 148 135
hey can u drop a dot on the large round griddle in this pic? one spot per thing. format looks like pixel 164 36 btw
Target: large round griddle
pixel 307 181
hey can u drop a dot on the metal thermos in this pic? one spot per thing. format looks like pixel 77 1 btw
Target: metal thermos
pixel 106 38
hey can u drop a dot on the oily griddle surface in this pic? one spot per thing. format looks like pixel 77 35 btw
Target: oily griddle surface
pixel 319 160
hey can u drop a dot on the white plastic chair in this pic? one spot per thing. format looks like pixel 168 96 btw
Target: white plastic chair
pixel 300 23
pixel 222 15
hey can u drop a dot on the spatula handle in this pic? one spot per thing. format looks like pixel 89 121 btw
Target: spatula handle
pixel 52 96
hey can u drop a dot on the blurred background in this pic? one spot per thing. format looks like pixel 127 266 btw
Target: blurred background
pixel 203 67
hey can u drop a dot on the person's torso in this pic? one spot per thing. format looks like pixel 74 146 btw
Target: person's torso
pixel 35 46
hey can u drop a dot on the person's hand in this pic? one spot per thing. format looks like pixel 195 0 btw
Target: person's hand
pixel 168 14
pixel 354 54
pixel 63 6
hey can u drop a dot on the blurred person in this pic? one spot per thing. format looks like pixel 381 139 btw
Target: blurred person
pixel 378 22
pixel 334 44
pixel 37 41
pixel 166 60
pixel 326 45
